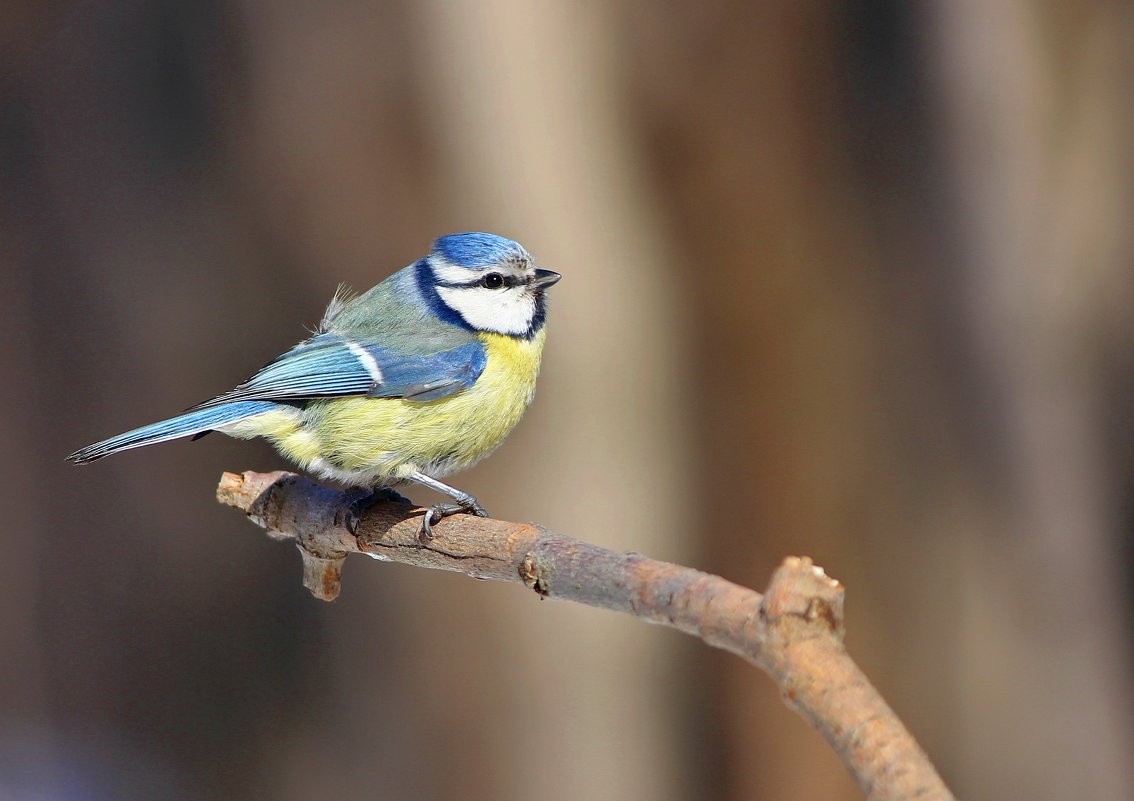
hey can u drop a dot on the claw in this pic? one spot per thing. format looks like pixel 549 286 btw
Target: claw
pixel 361 500
pixel 439 511
pixel 464 503
pixel 358 501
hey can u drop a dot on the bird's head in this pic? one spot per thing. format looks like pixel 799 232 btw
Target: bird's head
pixel 490 283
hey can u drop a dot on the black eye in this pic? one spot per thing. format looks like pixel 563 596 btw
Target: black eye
pixel 492 281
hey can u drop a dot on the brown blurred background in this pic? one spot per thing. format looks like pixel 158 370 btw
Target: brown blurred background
pixel 849 280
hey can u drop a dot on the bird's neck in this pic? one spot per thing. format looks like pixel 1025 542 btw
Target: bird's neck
pixel 517 357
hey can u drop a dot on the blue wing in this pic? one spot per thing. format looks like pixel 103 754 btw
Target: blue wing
pixel 331 365
pixel 327 365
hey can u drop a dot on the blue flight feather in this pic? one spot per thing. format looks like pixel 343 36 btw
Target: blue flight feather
pixel 194 422
pixel 323 366
pixel 330 365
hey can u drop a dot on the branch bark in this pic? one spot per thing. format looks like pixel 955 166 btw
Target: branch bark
pixel 794 632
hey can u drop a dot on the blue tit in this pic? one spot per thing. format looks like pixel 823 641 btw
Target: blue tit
pixel 421 376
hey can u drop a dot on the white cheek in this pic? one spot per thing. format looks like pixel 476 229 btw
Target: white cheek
pixel 505 311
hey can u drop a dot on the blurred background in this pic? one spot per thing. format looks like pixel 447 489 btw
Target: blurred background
pixel 844 279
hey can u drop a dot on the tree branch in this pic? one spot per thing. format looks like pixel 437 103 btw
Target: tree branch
pixel 794 632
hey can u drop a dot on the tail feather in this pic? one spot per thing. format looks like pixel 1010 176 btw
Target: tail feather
pixel 192 423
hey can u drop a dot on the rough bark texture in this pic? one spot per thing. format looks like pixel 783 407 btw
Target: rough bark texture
pixel 794 632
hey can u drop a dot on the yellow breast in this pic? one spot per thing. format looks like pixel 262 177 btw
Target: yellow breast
pixel 363 440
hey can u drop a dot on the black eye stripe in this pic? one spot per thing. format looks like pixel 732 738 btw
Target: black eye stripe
pixel 509 281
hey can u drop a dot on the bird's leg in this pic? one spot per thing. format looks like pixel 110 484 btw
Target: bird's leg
pixel 464 503
pixel 359 499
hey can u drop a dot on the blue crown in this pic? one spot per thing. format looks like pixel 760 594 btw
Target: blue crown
pixel 475 250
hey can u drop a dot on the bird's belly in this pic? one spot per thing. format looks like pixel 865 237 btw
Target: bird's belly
pixel 365 440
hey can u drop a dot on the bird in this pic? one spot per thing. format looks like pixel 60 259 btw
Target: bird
pixel 421 376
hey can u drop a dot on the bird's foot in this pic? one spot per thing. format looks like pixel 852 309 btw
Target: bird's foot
pixel 361 499
pixel 437 512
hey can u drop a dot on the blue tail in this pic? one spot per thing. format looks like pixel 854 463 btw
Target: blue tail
pixel 195 422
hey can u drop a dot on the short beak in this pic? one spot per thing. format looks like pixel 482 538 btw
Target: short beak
pixel 545 278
